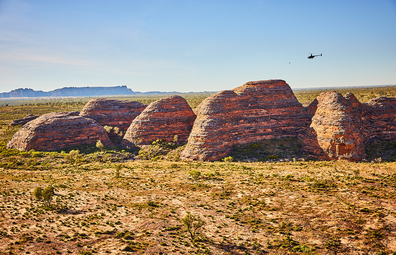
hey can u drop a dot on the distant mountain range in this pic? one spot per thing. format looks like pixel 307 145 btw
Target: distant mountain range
pixel 73 92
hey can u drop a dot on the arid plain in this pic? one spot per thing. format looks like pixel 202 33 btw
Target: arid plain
pixel 117 201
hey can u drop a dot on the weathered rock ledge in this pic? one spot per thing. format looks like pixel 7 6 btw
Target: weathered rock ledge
pixel 24 120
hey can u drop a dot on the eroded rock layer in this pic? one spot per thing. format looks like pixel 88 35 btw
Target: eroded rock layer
pixel 337 126
pixel 381 119
pixel 55 131
pixel 114 113
pixel 24 120
pixel 342 127
pixel 252 112
pixel 162 119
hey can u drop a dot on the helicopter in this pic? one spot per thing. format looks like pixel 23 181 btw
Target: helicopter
pixel 312 56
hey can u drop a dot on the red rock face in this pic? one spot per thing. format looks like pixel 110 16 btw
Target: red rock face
pixel 113 113
pixel 56 131
pixel 342 127
pixel 381 119
pixel 338 126
pixel 252 112
pixel 162 119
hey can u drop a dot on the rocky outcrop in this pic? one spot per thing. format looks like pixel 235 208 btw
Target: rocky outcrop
pixel 56 131
pixel 162 119
pixel 380 119
pixel 342 127
pixel 332 127
pixel 252 112
pixel 338 128
pixel 114 113
pixel 24 120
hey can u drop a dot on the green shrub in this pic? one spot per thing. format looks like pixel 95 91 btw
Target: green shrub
pixel 73 156
pixel 117 168
pixel 228 159
pixel 195 174
pixel 272 157
pixel 108 129
pixel 160 149
pixel 99 145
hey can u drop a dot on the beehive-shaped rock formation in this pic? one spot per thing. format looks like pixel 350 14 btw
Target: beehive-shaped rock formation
pixel 114 113
pixel 342 127
pixel 162 119
pixel 55 131
pixel 338 128
pixel 252 112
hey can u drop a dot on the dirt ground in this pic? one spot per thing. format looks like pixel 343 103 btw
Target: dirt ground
pixel 297 207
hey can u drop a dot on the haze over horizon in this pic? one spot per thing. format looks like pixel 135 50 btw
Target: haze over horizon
pixel 173 45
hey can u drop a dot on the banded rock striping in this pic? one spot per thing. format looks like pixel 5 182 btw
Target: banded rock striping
pixel 162 119
pixel 56 131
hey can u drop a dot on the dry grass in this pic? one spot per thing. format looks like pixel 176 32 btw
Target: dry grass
pixel 249 208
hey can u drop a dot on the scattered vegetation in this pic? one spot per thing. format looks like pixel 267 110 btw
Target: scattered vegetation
pixel 265 198
pixel 161 149
pixel 287 148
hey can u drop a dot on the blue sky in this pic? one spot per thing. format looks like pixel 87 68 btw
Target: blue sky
pixel 195 45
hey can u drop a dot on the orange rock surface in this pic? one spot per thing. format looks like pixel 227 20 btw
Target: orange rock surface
pixel 252 112
pixel 162 119
pixel 56 131
pixel 114 113
pixel 342 127
pixel 338 127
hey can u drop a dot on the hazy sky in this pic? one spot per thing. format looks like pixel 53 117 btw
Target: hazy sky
pixel 195 45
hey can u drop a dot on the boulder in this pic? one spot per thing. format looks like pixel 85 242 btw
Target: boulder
pixel 24 120
pixel 249 113
pixel 56 131
pixel 114 113
pixel 162 119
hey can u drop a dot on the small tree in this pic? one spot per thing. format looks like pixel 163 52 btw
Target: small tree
pixel 195 175
pixel 117 168
pixel 193 224
pixel 44 195
pixel 48 193
pixel 99 145
pixel 38 193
